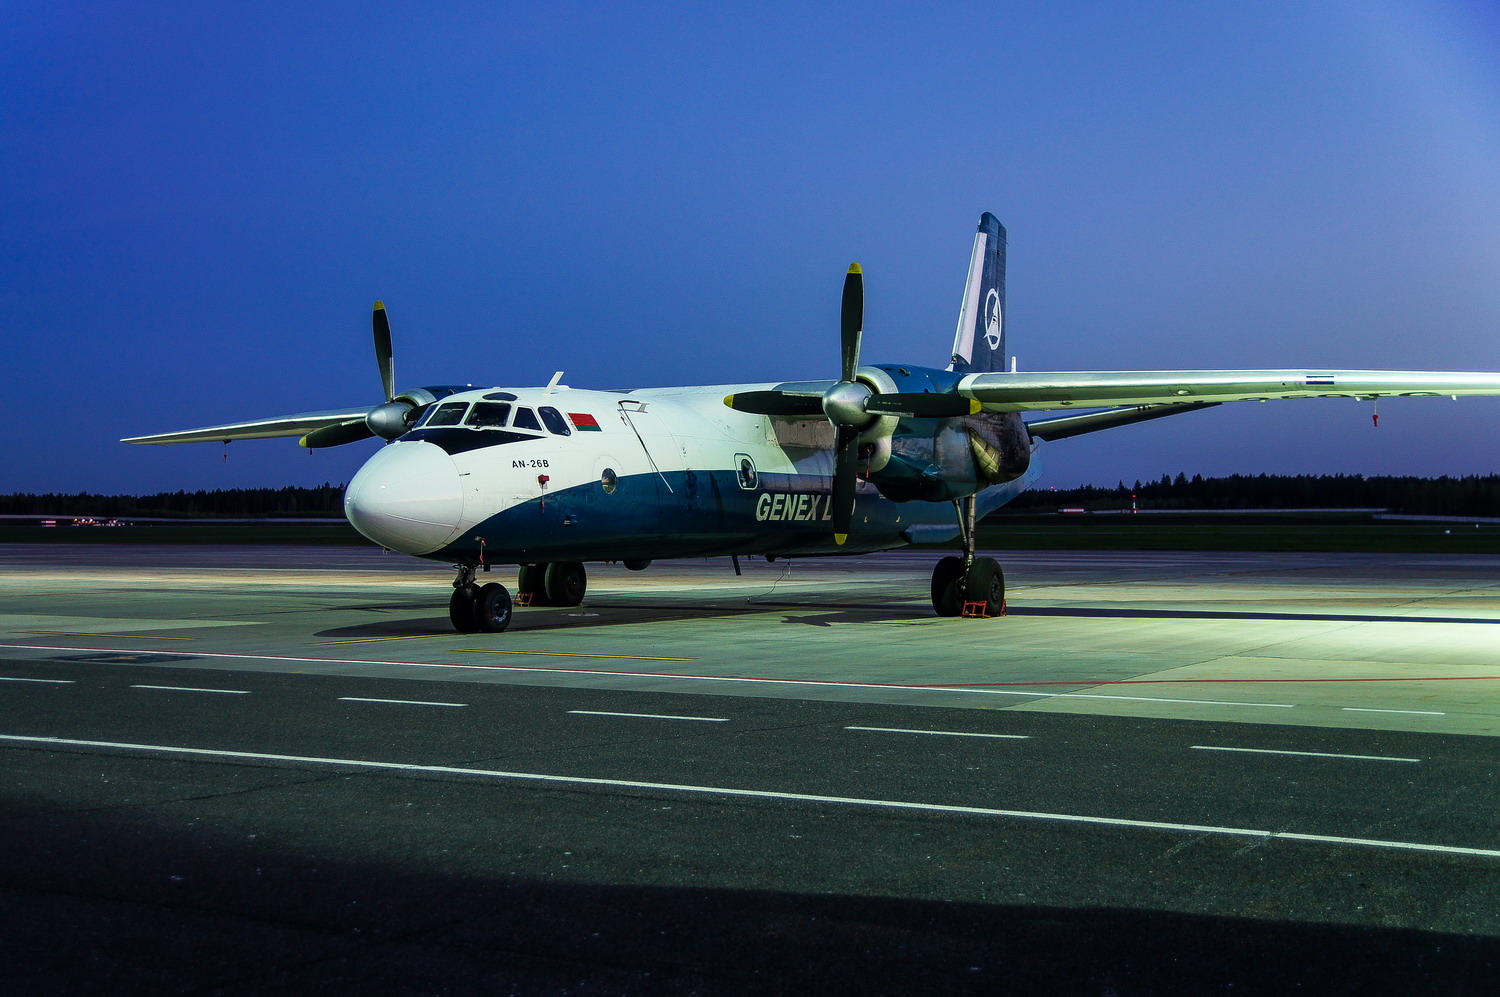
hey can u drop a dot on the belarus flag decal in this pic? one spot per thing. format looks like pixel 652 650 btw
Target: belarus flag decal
pixel 585 422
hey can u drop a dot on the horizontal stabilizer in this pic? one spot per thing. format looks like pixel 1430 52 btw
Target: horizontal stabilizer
pixel 1065 426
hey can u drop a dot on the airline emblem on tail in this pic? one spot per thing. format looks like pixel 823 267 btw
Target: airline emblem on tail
pixel 992 319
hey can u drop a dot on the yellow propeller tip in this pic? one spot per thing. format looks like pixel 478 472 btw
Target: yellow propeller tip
pixel 974 406
pixel 380 306
pixel 854 268
pixel 729 400
pixel 839 538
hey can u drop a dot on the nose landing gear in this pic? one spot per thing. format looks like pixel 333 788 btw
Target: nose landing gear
pixel 478 608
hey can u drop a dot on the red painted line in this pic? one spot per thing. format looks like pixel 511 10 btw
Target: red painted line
pixel 180 652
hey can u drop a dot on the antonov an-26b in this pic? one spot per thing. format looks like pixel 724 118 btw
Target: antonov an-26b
pixel 550 477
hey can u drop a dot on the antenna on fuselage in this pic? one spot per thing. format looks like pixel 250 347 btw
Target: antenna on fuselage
pixel 556 380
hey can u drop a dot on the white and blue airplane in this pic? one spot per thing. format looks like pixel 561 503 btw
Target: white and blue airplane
pixel 887 455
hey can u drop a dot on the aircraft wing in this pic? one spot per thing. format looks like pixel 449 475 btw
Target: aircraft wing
pixel 1017 392
pixel 298 424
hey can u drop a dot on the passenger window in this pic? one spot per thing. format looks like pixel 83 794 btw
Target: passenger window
pixel 450 414
pixel 555 422
pixel 488 415
pixel 525 419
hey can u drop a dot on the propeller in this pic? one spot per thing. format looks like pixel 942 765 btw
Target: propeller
pixel 387 420
pixel 851 405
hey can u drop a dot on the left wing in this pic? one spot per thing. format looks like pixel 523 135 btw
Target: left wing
pixel 300 424
pixel 1016 392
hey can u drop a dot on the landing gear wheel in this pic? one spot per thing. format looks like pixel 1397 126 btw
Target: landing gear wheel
pixel 492 608
pixel 947 597
pixel 532 581
pixel 566 583
pixel 985 583
pixel 461 608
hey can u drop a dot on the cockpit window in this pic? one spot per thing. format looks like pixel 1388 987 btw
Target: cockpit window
pixel 555 422
pixel 488 415
pixel 448 414
pixel 526 419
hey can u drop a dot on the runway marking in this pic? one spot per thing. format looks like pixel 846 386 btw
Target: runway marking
pixel 12 678
pixel 188 688
pixel 948 733
pixel 1307 754
pixel 960 688
pixel 762 794
pixel 649 716
pixel 372 640
pixel 570 654
pixel 403 702
pixel 1371 709
pixel 73 633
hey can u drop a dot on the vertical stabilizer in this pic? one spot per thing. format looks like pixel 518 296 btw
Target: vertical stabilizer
pixel 979 342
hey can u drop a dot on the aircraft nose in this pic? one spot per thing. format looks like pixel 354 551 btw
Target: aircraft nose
pixel 407 497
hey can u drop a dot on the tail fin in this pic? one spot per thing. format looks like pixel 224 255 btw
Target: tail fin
pixel 979 343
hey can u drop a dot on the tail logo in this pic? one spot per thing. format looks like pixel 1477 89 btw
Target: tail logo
pixel 992 319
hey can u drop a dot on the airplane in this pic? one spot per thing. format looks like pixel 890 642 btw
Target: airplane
pixel 886 455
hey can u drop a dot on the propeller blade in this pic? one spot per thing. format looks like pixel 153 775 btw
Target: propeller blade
pixel 845 473
pixel 775 403
pixel 852 319
pixel 922 405
pixel 383 351
pixel 337 435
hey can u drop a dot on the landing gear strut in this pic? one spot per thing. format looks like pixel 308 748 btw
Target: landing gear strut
pixel 474 607
pixel 968 586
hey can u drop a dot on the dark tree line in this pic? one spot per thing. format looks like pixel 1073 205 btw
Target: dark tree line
pixel 1475 495
pixel 324 500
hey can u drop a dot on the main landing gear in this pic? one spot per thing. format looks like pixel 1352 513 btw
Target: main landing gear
pixel 487 608
pixel 968 586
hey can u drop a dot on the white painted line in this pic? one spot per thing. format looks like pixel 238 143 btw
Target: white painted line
pixel 948 733
pixel 403 702
pixel 649 716
pixel 1306 754
pixel 762 794
pixel 188 688
pixel 10 678
pixel 1420 713
pixel 1091 695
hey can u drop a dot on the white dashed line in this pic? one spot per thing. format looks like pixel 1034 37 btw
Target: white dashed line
pixel 188 688
pixel 946 733
pixel 403 702
pixel 763 794
pixel 11 678
pixel 1305 754
pixel 649 716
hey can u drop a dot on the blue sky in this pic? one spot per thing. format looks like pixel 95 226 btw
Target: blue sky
pixel 201 202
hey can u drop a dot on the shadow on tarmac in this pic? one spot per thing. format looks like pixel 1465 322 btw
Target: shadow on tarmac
pixel 123 908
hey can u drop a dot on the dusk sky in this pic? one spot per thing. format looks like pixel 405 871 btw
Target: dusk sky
pixel 202 201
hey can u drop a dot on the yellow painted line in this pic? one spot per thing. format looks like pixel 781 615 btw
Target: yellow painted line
pixel 70 633
pixel 371 640
pixel 569 654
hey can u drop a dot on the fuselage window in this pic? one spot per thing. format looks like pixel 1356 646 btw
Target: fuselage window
pixel 450 414
pixel 555 422
pixel 747 477
pixel 488 415
pixel 526 419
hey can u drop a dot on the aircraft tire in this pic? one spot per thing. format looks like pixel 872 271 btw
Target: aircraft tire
pixel 461 609
pixel 985 583
pixel 532 580
pixel 492 608
pixel 947 576
pixel 566 583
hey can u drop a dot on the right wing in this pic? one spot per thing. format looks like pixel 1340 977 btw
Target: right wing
pixel 299 424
